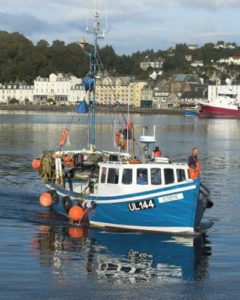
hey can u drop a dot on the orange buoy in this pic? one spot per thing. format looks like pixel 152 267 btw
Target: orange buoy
pixel 76 213
pixel 45 199
pixel 36 164
pixel 77 232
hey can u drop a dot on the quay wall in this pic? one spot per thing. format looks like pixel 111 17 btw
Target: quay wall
pixel 71 108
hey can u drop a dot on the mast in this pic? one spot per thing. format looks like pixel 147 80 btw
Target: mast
pixel 98 33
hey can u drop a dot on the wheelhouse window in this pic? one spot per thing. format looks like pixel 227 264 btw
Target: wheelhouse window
pixel 127 176
pixel 169 176
pixel 156 176
pixel 113 174
pixel 181 175
pixel 103 175
pixel 142 176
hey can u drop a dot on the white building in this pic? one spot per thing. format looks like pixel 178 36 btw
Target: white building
pixel 59 88
pixel 64 88
pixel 151 63
pixel 18 91
pixel 197 63
pixel 225 46
pixel 235 60
pixel 192 47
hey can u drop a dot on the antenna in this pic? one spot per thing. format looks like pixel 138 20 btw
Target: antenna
pixel 91 50
pixel 106 17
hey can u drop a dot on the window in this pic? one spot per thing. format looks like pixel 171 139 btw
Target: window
pixel 103 175
pixel 127 176
pixel 169 176
pixel 156 176
pixel 181 176
pixel 113 175
pixel 142 176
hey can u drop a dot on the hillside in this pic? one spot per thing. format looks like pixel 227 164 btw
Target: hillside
pixel 21 60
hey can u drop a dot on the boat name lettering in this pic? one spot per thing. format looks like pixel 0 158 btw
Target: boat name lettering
pixel 141 205
pixel 170 198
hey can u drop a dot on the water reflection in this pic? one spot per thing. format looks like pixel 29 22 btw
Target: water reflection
pixel 120 258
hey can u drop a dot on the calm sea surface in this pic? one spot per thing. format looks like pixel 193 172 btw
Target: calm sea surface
pixel 43 257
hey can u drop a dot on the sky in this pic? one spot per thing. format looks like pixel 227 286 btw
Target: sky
pixel 131 25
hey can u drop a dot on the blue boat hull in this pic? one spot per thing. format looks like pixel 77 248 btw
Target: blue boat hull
pixel 191 113
pixel 174 209
pixel 164 210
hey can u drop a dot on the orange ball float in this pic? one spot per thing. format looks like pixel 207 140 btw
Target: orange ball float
pixel 36 164
pixel 46 199
pixel 76 213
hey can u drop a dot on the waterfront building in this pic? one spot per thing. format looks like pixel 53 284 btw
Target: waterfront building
pixel 194 94
pixel 137 92
pixel 68 89
pixel 124 90
pixel 59 88
pixel 147 96
pixel 115 89
pixel 16 92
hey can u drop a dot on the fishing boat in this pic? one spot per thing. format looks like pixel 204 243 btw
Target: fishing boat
pixel 225 105
pixel 116 190
pixel 191 112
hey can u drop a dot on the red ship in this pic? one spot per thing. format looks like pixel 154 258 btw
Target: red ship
pixel 225 105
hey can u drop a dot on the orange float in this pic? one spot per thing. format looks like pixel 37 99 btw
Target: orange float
pixel 120 140
pixel 76 213
pixel 36 163
pixel 134 161
pixel 46 199
pixel 63 138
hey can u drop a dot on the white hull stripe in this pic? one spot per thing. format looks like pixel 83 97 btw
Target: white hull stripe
pixel 131 199
pixel 144 228
pixel 150 195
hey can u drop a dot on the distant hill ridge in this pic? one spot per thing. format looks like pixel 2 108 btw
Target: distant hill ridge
pixel 22 61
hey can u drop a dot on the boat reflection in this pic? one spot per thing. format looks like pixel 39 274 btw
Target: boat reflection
pixel 74 252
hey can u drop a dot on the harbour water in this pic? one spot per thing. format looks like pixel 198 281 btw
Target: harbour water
pixel 43 257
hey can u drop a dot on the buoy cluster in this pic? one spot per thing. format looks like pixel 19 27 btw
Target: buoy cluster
pixel 75 211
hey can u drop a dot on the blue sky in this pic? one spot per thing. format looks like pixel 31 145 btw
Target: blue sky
pixel 133 25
